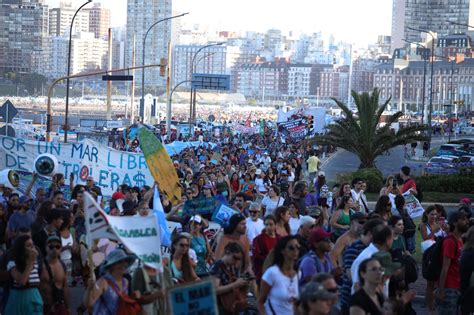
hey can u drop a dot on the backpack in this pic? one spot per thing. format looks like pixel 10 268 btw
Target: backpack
pixel 432 261
pixel 126 305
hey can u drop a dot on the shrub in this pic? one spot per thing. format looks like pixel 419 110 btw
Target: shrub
pixel 458 183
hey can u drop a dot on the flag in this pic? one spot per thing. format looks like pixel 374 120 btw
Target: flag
pixel 97 225
pixel 159 213
pixel 248 121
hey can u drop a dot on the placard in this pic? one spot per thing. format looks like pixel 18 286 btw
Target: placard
pixel 193 299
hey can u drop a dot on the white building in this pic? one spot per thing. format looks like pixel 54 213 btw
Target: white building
pixel 299 77
pixel 141 14
pixel 60 19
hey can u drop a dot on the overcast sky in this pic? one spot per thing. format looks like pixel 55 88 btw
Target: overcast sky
pixel 354 21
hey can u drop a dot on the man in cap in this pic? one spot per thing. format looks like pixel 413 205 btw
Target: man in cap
pixel 54 288
pixel 315 299
pixel 449 284
pixel 358 220
pixel 317 260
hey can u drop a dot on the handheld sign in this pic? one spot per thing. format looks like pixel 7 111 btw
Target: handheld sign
pixel 223 214
pixel 160 165
pixel 195 298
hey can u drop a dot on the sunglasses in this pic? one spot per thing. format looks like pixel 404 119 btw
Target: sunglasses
pixel 183 245
pixel 51 247
pixel 293 248
pixel 253 212
pixel 333 290
pixel 361 222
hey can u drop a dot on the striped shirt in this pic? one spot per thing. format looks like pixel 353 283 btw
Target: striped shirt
pixel 33 279
pixel 348 257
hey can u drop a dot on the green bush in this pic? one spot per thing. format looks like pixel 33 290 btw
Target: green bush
pixel 372 175
pixel 459 183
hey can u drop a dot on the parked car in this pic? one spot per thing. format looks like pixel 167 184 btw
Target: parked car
pixel 443 165
pixel 453 150
pixel 466 161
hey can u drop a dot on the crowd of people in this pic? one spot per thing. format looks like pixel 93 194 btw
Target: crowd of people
pixel 295 245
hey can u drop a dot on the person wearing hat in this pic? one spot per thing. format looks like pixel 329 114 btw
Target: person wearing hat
pixel 315 299
pixel 317 260
pixel 449 284
pixel 103 296
pixel 357 221
pixel 235 231
pixel 200 244
pixel 368 299
pixel 307 224
pixel 55 290
pixel 22 218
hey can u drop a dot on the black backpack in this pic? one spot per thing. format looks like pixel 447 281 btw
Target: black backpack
pixel 432 261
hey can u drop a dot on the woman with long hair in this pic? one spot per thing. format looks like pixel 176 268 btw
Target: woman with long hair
pixel 368 299
pixel 263 244
pixel 341 219
pixel 181 266
pixel 222 185
pixel 282 216
pixel 294 218
pixel 200 244
pixel 69 244
pixel 389 186
pixel 279 285
pixel 344 190
pixel 24 297
pixel 235 186
pixel 431 224
pixel 272 200
pixel 383 207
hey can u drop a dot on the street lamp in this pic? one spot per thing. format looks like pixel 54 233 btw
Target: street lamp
pixel 168 122
pixel 451 92
pixel 192 102
pixel 431 76
pixel 424 79
pixel 66 114
pixel 142 101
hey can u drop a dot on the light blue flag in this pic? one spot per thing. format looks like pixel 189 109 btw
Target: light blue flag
pixel 161 219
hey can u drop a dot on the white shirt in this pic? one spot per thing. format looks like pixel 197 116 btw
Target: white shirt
pixel 260 185
pixel 360 199
pixel 282 293
pixel 271 205
pixel 254 228
pixel 294 225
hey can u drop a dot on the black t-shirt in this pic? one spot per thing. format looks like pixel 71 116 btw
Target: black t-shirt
pixel 362 300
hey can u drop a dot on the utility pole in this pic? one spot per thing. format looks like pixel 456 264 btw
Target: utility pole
pixel 109 82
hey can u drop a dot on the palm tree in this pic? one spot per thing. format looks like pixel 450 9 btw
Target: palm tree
pixel 363 135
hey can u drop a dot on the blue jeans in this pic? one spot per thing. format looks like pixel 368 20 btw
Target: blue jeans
pixel 450 304
pixel 411 244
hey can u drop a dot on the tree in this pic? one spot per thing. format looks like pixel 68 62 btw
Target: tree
pixel 363 134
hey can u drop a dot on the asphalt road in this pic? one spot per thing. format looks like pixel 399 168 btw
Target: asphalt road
pixel 344 162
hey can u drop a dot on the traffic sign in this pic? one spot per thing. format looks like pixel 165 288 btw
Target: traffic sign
pixel 211 81
pixel 8 111
pixel 7 131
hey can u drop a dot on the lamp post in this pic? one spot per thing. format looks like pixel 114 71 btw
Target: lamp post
pixel 192 101
pixel 170 102
pixel 431 76
pixel 142 101
pixel 424 78
pixel 451 92
pixel 66 114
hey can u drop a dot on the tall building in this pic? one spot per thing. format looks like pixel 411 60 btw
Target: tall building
pixel 24 25
pixel 60 19
pixel 431 16
pixel 99 20
pixel 141 14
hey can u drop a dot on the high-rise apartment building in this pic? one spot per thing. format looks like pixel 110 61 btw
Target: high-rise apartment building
pixel 99 20
pixel 24 24
pixel 429 15
pixel 141 14
pixel 60 19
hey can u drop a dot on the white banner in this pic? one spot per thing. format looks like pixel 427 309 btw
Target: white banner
pixel 140 235
pixel 412 205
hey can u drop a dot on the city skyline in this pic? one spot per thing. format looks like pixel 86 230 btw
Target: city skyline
pixel 363 20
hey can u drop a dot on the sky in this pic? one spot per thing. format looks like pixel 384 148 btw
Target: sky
pixel 353 21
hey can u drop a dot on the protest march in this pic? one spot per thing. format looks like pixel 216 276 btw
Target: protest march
pixel 240 222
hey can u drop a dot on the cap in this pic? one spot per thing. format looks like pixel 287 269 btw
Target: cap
pixel 24 199
pixel 258 171
pixel 53 238
pixel 196 218
pixel 175 162
pixel 385 260
pixel 358 216
pixel 314 211
pixel 455 216
pixel 321 174
pixel 465 201
pixel 318 235
pixel 307 220
pixel 284 172
pixel 315 291
pixel 207 186
pixel 118 195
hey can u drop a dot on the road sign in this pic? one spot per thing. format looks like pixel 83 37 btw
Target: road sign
pixel 7 131
pixel 195 298
pixel 211 81
pixel 8 111
pixel 117 77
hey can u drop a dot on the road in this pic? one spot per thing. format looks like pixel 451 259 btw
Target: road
pixel 345 162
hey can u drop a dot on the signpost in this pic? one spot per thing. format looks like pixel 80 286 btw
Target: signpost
pixel 8 111
pixel 210 81
pixel 193 299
